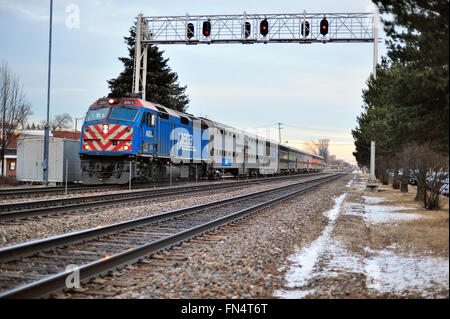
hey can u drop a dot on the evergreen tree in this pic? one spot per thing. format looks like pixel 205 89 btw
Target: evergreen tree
pixel 161 86
pixel 409 100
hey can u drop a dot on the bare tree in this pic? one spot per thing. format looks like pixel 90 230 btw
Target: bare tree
pixel 319 148
pixel 429 169
pixel 61 121
pixel 14 108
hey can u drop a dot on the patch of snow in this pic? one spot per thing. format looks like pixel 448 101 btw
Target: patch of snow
pixel 382 214
pixel 373 200
pixel 374 214
pixel 334 212
pixel 411 274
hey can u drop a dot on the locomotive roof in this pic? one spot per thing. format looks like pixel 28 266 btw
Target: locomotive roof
pixel 132 101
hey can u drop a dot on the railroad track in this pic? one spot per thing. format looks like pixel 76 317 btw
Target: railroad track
pixel 38 268
pixel 20 192
pixel 21 210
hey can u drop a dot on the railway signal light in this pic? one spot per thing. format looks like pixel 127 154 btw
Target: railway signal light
pixel 207 28
pixel 306 28
pixel 264 27
pixel 190 30
pixel 247 29
pixel 324 26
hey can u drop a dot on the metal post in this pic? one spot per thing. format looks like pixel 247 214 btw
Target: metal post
pixel 372 182
pixel 47 124
pixel 375 41
pixel 186 27
pixel 129 179
pixel 279 132
pixel 137 55
pixel 76 125
pixel 304 24
pixel 67 170
pixel 243 25
pixel 144 74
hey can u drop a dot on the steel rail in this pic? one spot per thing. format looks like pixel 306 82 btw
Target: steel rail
pixel 23 191
pixel 57 282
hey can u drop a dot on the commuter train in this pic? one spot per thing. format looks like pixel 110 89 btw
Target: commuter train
pixel 129 138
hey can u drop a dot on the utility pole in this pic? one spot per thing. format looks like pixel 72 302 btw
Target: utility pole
pixel 47 124
pixel 76 126
pixel 279 132
pixel 372 185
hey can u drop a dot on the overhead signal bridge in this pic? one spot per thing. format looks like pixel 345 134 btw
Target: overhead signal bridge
pixel 342 27
pixel 249 29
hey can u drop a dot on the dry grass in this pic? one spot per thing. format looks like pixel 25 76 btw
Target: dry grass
pixel 428 235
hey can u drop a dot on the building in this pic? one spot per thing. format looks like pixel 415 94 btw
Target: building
pixel 10 163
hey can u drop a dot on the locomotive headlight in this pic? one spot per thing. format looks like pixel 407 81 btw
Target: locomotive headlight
pixel 105 128
pixel 126 147
pixel 86 147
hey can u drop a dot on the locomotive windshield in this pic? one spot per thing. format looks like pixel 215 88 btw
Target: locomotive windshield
pixel 98 113
pixel 117 113
pixel 123 114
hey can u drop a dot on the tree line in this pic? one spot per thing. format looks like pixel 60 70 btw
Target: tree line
pixel 406 107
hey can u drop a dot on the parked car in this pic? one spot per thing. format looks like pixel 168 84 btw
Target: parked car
pixel 444 189
pixel 412 179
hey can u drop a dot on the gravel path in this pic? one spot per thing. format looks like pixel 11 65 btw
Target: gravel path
pixel 243 260
pixel 45 226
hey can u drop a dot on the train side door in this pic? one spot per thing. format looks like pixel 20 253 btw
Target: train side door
pixel 245 161
pixel 148 130
pixel 164 141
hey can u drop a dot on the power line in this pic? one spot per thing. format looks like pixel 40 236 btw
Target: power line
pixel 330 144
pixel 301 127
pixel 316 128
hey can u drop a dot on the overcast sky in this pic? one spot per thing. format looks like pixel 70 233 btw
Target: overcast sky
pixel 313 89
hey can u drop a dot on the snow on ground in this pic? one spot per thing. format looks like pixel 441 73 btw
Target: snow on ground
pixel 386 271
pixel 373 200
pixel 374 214
pixel 406 274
